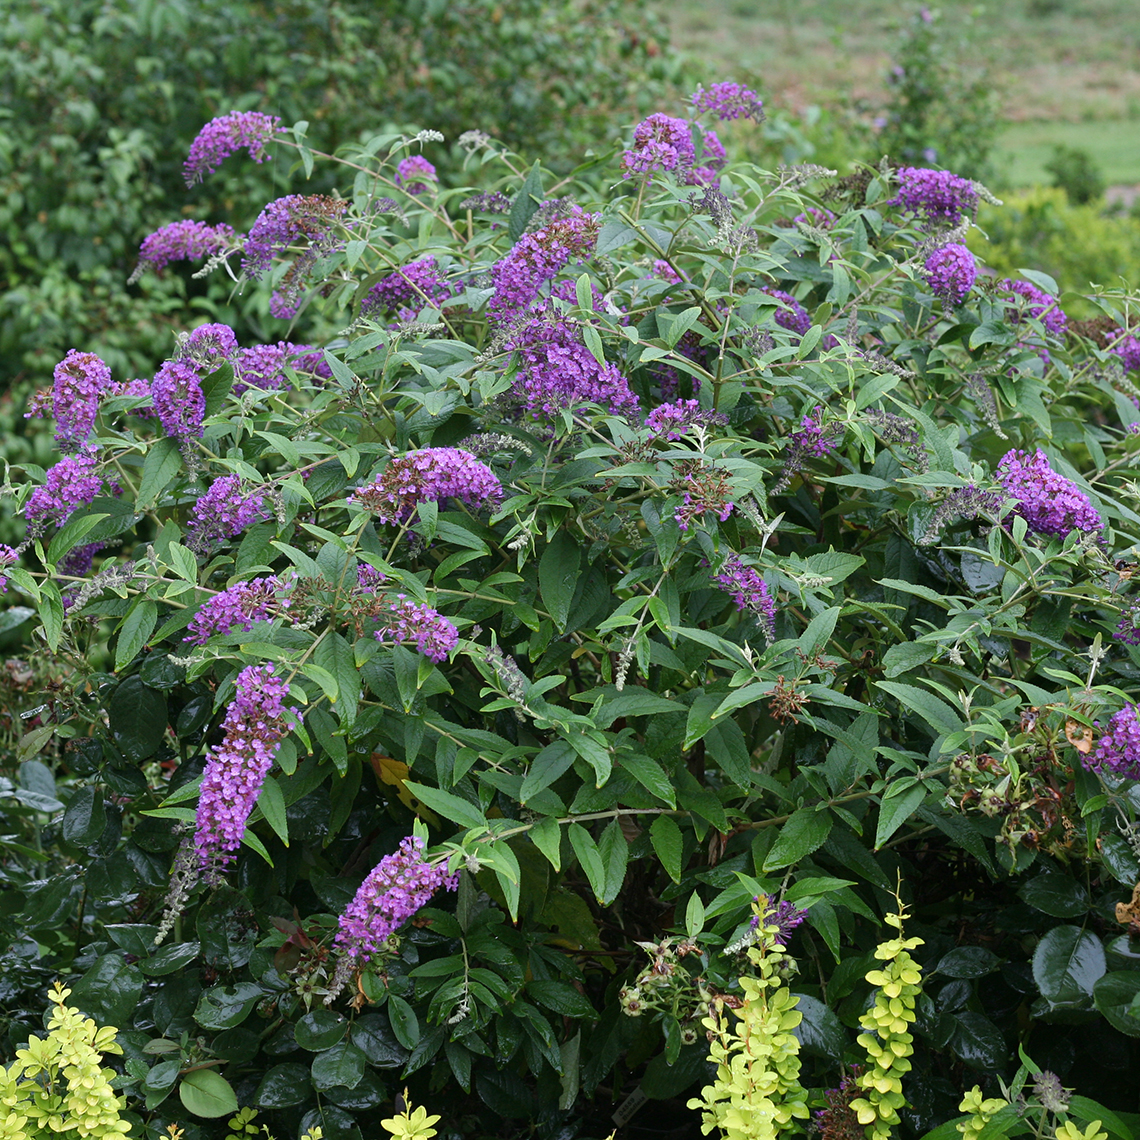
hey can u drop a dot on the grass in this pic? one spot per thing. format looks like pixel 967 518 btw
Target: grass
pixel 1067 71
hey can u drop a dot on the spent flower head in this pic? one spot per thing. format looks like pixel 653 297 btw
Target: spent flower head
pixel 226 135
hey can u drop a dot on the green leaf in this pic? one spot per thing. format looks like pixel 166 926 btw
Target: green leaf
pixel 820 1032
pixel 170 959
pixel 1116 997
pixel 334 654
pixel 1067 964
pixel 805 831
pixel 223 1007
pixel 528 199
pixel 614 851
pixel 271 800
pixel 450 806
pixel 546 767
pixel 589 858
pixel 216 387
pixel 547 837
pixel 207 1094
pixel 1086 1110
pixel 136 629
pixel 320 1030
pixel 669 844
pixel 968 962
pixel 84 820
pixel 939 715
pixel 1058 894
pixel 137 718
pixel 558 577
pixel 564 999
pixel 283 1086
pixel 405 1024
pixel 70 535
pixel 596 754
pixel 978 1042
pixel 896 809
pixel 163 461
pixel 905 656
pixel 815 638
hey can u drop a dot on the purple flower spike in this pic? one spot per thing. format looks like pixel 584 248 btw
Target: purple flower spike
pixel 414 173
pixel 223 512
pixel 8 558
pixel 1118 750
pixel 80 379
pixel 729 101
pixel 1127 349
pixel 285 221
pixel 254 727
pixel 428 476
pixel 794 317
pixel 784 915
pixel 182 241
pixel 937 196
pixel 407 291
pixel 71 483
pixel 396 888
pixel 226 135
pixel 1049 503
pixel 749 591
pixel 950 272
pixel 415 623
pixel 178 399
pixel 673 420
pixel 239 607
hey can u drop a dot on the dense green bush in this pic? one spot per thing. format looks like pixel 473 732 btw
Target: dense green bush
pixel 1075 172
pixel 99 101
pixel 632 556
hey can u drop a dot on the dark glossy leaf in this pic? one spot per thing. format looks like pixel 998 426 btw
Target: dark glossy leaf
pixel 663 1081
pixel 1055 893
pixel 558 576
pixel 978 1042
pixel 343 1065
pixel 109 991
pixel 137 718
pixel 1066 965
pixel 85 818
pixel 503 1093
pixel 564 999
pixel 319 1030
pixel 405 1024
pixel 134 938
pixel 369 1091
pixel 169 959
pixel 283 1086
pixel 820 1032
pixel 373 1035
pixel 968 962
pixel 208 1094
pixel 1115 995
pixel 238 1046
pixel 805 831
pixel 223 1007
pixel 160 672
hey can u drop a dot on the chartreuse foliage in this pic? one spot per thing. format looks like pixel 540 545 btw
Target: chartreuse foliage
pixel 795 639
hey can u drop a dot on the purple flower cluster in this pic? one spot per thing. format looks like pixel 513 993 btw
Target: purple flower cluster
pixel 786 916
pixel 414 173
pixel 666 272
pixel 538 258
pixel 748 590
pixel 950 272
pixel 134 390
pixel 662 143
pixel 210 345
pixel 78 560
pixel 673 420
pixel 398 886
pixel 79 380
pixel 1128 630
pixel 296 217
pixel 8 558
pixel 1127 347
pixel 816 216
pixel 1035 304
pixel 814 441
pixel 368 579
pixel 223 512
pixel 179 401
pixel 69 484
pixel 254 726
pixel 1049 503
pixel 937 196
pixel 226 135
pixel 702 489
pixel 182 241
pixel 557 371
pixel 1118 750
pixel 428 476
pixel 729 101
pixel 239 607
pixel 793 317
pixel 416 623
pixel 263 365
pixel 407 291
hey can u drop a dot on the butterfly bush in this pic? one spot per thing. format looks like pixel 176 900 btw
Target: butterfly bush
pixel 526 564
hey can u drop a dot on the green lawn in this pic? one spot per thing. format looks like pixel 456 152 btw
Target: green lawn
pixel 1024 148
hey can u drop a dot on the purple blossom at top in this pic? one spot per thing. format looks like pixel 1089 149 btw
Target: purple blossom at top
pixel 748 590
pixel 786 916
pixel 294 218
pixel 238 607
pixel 369 580
pixel 182 241
pixel 210 345
pixel 660 142
pixel 937 196
pixel 666 272
pixel 254 726
pixel 414 173
pixel 8 557
pixel 1026 300
pixel 950 272
pixel 395 889
pixel 416 623
pixel 1127 347
pixel 263 365
pixel 79 380
pixel 794 317
pixel 407 291
pixel 427 476
pixel 69 484
pixel 539 257
pixel 1049 503
pixel 226 135
pixel 814 440
pixel 223 512
pixel 729 101
pixel 1118 749
pixel 179 401
pixel 674 420
pixel 557 371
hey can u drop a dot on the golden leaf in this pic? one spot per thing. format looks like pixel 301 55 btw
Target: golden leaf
pixel 394 773
pixel 1080 736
